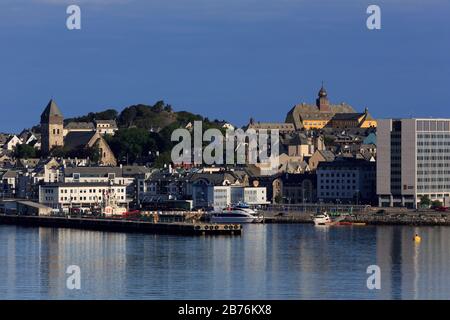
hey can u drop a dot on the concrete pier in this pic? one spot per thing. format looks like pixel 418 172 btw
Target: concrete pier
pixel 120 225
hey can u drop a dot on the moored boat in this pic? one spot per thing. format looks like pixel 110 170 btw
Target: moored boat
pixel 240 213
pixel 324 219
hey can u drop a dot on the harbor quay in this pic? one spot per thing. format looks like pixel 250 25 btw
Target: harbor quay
pixel 123 225
pixel 200 223
pixel 361 216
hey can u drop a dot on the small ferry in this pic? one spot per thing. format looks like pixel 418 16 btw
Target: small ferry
pixel 240 213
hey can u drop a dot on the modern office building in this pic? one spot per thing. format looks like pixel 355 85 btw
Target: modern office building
pixel 413 160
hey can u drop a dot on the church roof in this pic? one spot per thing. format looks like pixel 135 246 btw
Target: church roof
pixel 303 111
pixel 348 116
pixel 75 139
pixel 80 125
pixel 50 111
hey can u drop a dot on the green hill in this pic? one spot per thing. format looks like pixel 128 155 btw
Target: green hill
pixel 145 130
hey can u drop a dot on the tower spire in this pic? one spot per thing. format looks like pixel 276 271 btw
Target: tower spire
pixel 322 100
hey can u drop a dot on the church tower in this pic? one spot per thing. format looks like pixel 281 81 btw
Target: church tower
pixel 322 101
pixel 52 128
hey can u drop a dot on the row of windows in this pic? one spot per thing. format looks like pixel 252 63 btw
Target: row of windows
pixel 86 198
pixel 433 165
pixel 433 179
pixel 65 191
pixel 433 143
pixel 437 150
pixel 337 181
pixel 338 194
pixel 428 158
pixel 338 187
pixel 428 172
pixel 433 187
pixel 433 125
pixel 337 175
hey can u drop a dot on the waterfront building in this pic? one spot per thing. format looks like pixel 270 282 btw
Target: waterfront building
pixel 8 183
pixel 324 114
pixel 64 196
pixel 295 188
pixel 413 160
pixel 347 180
pixel 161 186
pixel 224 196
pixel 203 183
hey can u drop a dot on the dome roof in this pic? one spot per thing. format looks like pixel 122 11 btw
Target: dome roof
pixel 322 92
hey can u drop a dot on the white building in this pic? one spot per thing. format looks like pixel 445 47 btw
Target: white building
pixel 12 142
pixel 413 160
pixel 224 196
pixel 106 127
pixel 81 195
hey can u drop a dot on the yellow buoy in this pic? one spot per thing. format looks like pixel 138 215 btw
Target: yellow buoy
pixel 417 238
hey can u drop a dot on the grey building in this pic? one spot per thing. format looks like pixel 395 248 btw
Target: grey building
pixel 413 160
pixel 347 180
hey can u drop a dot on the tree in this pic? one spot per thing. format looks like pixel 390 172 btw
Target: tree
pixel 436 204
pixel 278 199
pixel 168 108
pixel 159 106
pixel 132 144
pixel 163 159
pixel 109 114
pixel 25 151
pixel 425 201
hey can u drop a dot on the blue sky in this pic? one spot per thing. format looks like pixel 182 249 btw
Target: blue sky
pixel 232 59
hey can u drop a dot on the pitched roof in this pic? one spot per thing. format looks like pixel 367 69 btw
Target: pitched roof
pixel 80 125
pixel 4 137
pixel 348 116
pixel 50 111
pixel 93 171
pixel 216 178
pixel 272 125
pixel 77 139
pixel 327 155
pixel 112 123
pixel 303 111
pixel 9 174
pixel 298 138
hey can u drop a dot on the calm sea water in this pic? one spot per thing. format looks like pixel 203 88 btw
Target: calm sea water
pixel 266 262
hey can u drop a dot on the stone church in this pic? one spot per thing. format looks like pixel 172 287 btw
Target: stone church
pixel 52 136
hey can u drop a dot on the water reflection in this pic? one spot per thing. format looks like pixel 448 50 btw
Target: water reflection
pixel 266 262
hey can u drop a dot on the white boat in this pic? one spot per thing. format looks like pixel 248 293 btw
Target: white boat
pixel 323 219
pixel 235 214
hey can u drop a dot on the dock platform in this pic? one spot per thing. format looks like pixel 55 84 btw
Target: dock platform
pixel 120 225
